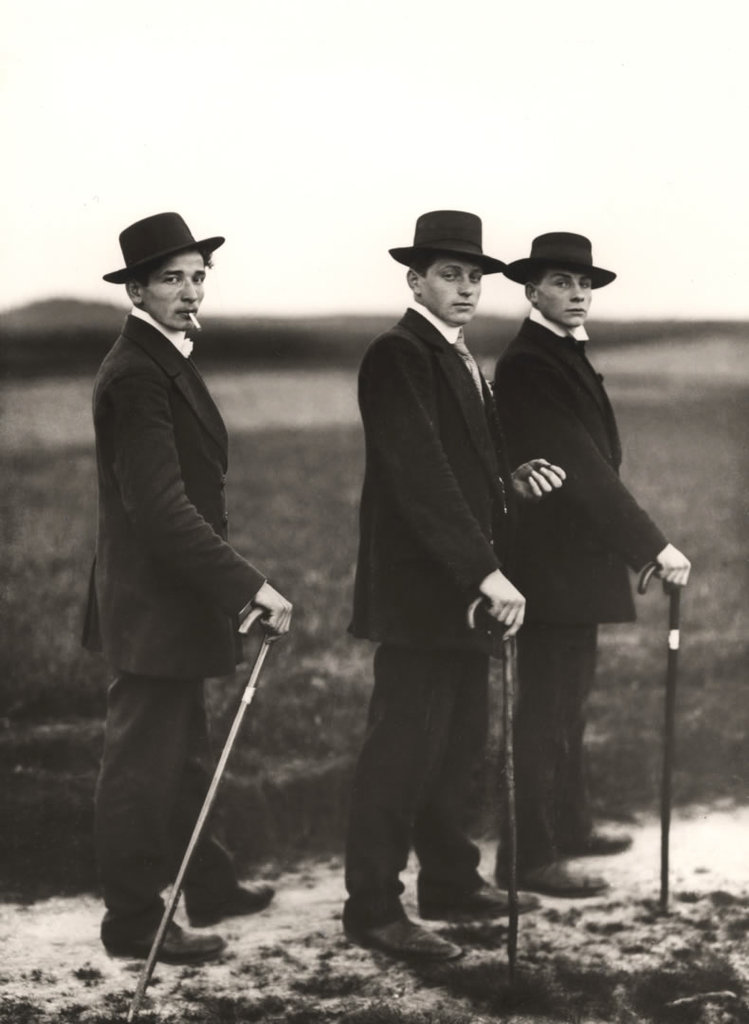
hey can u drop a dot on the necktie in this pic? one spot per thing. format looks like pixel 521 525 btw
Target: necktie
pixel 462 349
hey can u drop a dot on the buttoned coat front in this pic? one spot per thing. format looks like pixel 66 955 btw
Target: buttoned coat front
pixel 436 506
pixel 166 585
pixel 574 547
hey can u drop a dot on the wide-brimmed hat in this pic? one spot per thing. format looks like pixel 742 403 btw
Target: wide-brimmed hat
pixel 451 232
pixel 560 249
pixel 155 238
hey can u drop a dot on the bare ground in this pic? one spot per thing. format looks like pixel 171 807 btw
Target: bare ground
pixel 613 958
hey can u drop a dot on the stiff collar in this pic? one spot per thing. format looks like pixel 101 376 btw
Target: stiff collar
pixel 179 339
pixel 450 334
pixel 577 333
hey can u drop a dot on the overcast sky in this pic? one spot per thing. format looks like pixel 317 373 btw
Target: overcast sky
pixel 313 132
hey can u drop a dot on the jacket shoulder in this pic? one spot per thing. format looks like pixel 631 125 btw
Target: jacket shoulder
pixel 126 359
pixel 398 344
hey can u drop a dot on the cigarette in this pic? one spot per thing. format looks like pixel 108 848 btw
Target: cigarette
pixel 195 322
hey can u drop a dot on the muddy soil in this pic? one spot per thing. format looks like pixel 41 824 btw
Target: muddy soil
pixel 612 958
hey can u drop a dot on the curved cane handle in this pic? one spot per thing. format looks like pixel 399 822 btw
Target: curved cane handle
pixel 249 622
pixel 645 577
pixel 471 613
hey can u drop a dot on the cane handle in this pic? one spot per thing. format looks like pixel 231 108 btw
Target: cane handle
pixel 471 613
pixel 645 577
pixel 246 625
pixel 650 570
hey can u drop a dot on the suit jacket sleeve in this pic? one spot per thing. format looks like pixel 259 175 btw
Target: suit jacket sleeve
pixel 540 421
pixel 395 397
pixel 147 468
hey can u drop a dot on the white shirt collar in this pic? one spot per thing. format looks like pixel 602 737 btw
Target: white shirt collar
pixel 450 334
pixel 578 333
pixel 179 339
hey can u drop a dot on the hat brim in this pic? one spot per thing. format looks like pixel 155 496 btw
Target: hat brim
pixel 488 264
pixel 122 276
pixel 521 271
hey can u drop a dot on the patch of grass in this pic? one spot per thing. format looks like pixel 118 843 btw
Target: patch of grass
pixel 650 993
pixel 377 1013
pixel 327 984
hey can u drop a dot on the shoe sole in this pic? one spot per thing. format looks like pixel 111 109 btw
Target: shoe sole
pixel 206 922
pixel 580 893
pixel 414 957
pixel 198 958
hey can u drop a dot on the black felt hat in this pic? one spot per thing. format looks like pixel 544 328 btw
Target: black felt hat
pixel 155 238
pixel 451 232
pixel 560 249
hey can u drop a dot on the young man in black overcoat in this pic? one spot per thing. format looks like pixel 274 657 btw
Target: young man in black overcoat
pixel 435 531
pixel 572 558
pixel 167 592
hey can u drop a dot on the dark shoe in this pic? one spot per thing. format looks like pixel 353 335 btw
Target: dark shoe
pixel 486 901
pixel 405 940
pixel 178 947
pixel 246 899
pixel 561 879
pixel 599 844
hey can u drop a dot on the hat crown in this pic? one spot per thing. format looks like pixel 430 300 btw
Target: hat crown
pixel 448 229
pixel 562 246
pixel 163 232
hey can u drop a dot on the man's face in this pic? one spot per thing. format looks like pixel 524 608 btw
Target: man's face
pixel 450 289
pixel 173 291
pixel 563 296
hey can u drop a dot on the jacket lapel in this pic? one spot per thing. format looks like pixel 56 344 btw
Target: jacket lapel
pixel 475 413
pixel 183 375
pixel 592 381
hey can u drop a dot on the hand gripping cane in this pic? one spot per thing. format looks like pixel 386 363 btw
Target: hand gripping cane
pixel 247 696
pixel 674 594
pixel 509 678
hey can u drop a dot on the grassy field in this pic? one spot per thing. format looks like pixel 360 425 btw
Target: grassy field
pixel 293 495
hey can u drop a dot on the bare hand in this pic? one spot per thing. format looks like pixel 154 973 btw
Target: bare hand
pixel 532 480
pixel 673 567
pixel 505 603
pixel 278 610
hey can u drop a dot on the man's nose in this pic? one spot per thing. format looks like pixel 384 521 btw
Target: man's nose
pixel 578 292
pixel 466 286
pixel 190 290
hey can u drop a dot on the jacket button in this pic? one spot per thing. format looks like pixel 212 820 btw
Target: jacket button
pixel 225 518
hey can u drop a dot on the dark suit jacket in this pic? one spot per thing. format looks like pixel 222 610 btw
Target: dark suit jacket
pixel 166 586
pixel 432 523
pixel 573 547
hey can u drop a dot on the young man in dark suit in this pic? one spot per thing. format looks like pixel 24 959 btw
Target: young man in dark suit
pixel 571 559
pixel 435 531
pixel 167 593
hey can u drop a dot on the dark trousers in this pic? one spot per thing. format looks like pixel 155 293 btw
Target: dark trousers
pixel 155 771
pixel 426 730
pixel 556 669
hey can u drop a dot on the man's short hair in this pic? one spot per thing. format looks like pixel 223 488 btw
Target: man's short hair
pixel 422 261
pixel 144 272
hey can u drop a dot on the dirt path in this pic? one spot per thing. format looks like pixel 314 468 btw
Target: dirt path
pixel 607 959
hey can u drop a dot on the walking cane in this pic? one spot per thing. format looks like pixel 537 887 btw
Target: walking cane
pixel 674 594
pixel 247 696
pixel 509 678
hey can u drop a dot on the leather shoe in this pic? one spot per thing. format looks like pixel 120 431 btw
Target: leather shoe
pixel 246 899
pixel 405 940
pixel 561 879
pixel 486 901
pixel 178 947
pixel 599 844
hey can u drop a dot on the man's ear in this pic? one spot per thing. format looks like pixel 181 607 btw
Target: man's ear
pixel 414 281
pixel 134 291
pixel 530 292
